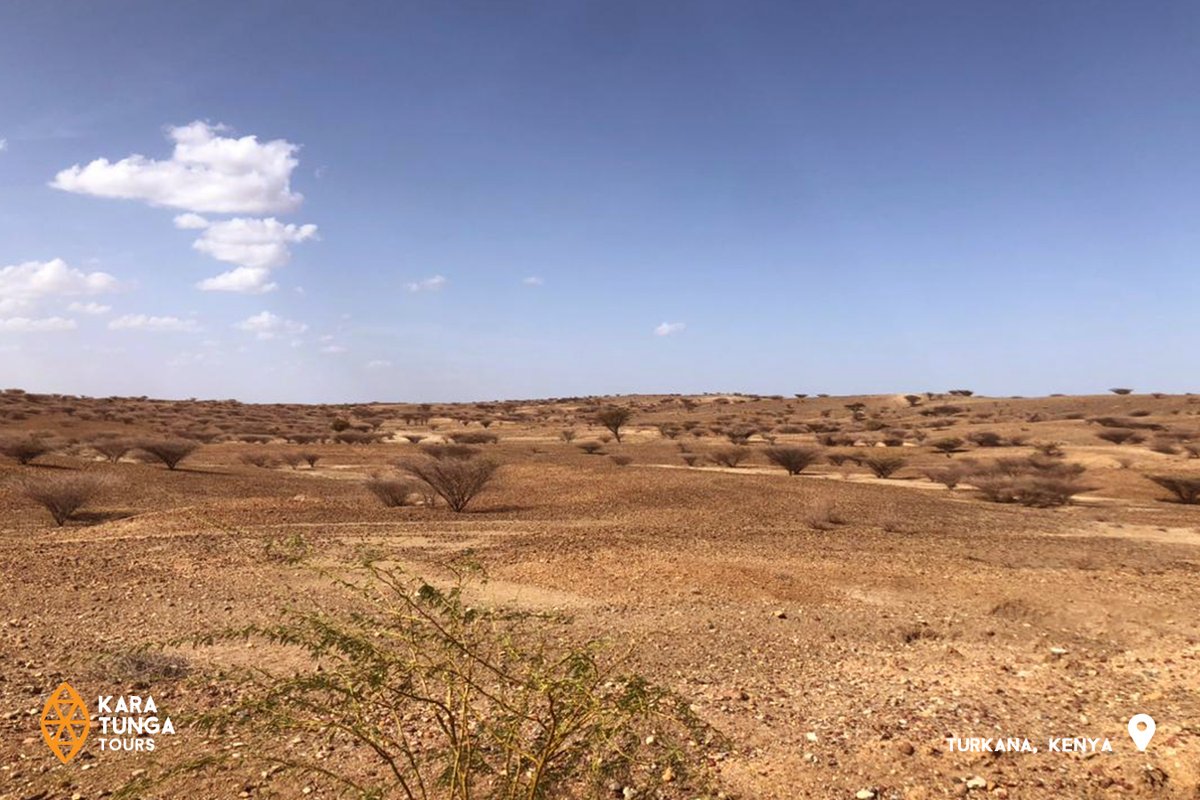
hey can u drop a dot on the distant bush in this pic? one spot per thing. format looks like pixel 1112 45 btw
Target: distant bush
pixel 986 439
pixel 1186 488
pixel 169 451
pixel 113 448
pixel 1120 436
pixel 1121 391
pixel 25 449
pixel 591 448
pixel 950 444
pixel 311 459
pixel 473 437
pixel 415 438
pixel 261 460
pixel 567 435
pixel 793 459
pixel 356 437
pixel 1035 481
pixel 690 459
pixel 392 492
pixel 884 466
pixel 63 495
pixel 457 481
pixel 947 476
pixel 444 451
pixel 614 418
pixel 729 456
pixel 621 460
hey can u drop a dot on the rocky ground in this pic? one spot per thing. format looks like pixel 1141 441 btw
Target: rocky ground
pixel 834 627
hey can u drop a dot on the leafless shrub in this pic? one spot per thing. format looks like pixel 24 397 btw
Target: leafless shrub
pixel 392 492
pixel 567 435
pixel 985 439
pixel 24 449
pixel 311 459
pixel 1120 436
pixel 356 437
pixel 948 445
pixel 884 466
pixel 1049 449
pixel 113 448
pixel 1186 488
pixel 63 495
pixel 949 476
pixel 473 437
pixel 457 481
pixel 444 451
pixel 793 459
pixel 415 438
pixel 690 459
pixel 143 667
pixel 729 456
pixel 169 451
pixel 621 460
pixel 824 516
pixel 260 460
pixel 1038 491
pixel 591 448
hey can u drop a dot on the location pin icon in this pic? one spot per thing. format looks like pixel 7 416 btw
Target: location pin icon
pixel 1141 730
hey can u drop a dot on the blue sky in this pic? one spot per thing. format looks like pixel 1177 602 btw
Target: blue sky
pixel 780 197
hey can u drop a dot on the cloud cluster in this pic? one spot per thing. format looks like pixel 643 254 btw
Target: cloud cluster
pixel 428 284
pixel 207 172
pixel 44 325
pixel 254 246
pixel 23 285
pixel 265 325
pixel 143 322
pixel 669 328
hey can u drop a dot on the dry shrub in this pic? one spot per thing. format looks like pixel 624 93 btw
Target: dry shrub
pixel 144 667
pixel 729 456
pixel 947 476
pixel 311 459
pixel 1035 481
pixel 24 449
pixel 415 438
pixel 445 700
pixel 1120 436
pixel 260 460
pixel 621 460
pixel 884 466
pixel 948 445
pixel 473 437
pixel 63 495
pixel 392 492
pixel 113 448
pixel 567 435
pixel 690 459
pixel 169 451
pixel 1186 488
pixel 456 480
pixel 824 516
pixel 793 459
pixel 356 437
pixel 444 451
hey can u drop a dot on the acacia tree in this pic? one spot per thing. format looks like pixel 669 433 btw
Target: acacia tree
pixel 614 418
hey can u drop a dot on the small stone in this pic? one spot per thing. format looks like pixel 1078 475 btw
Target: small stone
pixel 906 748
pixel 865 794
pixel 1058 652
pixel 781 614
pixel 811 736
pixel 976 782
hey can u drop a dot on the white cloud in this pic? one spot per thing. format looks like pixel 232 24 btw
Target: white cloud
pixel 207 172
pixel 265 325
pixel 379 363
pixel 142 322
pixel 669 328
pixel 253 243
pixel 3 145
pixel 190 222
pixel 94 309
pixel 44 325
pixel 243 279
pixel 333 349
pixel 532 280
pixel 428 284
pixel 21 285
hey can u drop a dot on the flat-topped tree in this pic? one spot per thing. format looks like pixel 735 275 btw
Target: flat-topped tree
pixel 614 418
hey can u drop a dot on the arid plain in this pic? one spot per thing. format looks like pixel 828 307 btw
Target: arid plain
pixel 830 628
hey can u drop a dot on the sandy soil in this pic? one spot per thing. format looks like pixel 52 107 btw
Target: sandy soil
pixel 835 656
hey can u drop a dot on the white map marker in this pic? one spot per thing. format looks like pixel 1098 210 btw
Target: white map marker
pixel 1141 730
